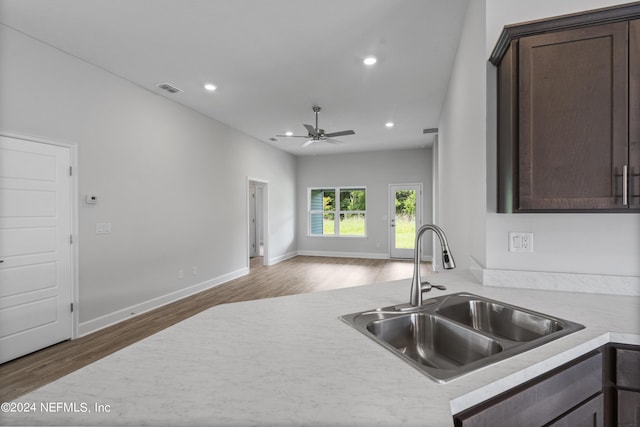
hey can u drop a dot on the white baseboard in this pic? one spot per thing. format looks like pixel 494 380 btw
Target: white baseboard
pixel 371 255
pixel 106 320
pixel 275 260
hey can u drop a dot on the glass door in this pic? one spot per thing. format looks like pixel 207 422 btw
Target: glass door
pixel 405 201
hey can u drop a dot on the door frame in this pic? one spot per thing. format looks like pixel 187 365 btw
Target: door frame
pixel 265 218
pixel 74 247
pixel 392 211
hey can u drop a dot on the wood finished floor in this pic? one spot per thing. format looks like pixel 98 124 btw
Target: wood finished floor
pixel 297 275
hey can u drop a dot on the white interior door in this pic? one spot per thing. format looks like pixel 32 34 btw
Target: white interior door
pixel 253 243
pixel 260 220
pixel 35 246
pixel 405 202
pixel 257 199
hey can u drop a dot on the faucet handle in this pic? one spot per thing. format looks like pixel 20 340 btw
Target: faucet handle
pixel 426 286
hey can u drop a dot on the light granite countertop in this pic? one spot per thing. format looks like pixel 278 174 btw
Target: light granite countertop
pixel 291 361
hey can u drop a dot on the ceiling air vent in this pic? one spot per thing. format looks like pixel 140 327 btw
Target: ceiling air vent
pixel 167 87
pixel 430 130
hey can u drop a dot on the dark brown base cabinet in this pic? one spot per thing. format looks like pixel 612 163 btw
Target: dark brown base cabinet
pixel 623 385
pixel 568 396
pixel 569 113
pixel 599 389
pixel 628 414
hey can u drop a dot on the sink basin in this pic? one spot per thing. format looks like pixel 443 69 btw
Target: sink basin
pixel 452 335
pixel 498 319
pixel 433 341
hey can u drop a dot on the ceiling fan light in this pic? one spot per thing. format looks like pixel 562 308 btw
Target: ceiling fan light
pixel 370 60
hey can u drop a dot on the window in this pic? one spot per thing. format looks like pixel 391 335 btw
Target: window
pixel 338 211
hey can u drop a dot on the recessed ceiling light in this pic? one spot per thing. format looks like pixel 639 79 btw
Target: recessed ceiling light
pixel 210 87
pixel 289 133
pixel 389 124
pixel 370 60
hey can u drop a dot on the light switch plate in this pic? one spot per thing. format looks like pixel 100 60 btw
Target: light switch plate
pixel 103 228
pixel 520 241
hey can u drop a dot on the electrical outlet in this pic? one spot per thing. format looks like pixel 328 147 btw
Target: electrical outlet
pixel 520 242
pixel 194 269
pixel 180 274
pixel 103 228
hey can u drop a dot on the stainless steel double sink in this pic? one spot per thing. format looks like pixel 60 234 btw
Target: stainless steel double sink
pixel 455 334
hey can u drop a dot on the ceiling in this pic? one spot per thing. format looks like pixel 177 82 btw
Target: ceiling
pixel 271 61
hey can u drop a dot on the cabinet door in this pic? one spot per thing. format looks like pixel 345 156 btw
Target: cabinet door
pixel 589 414
pixel 628 408
pixel 634 114
pixel 573 99
pixel 508 129
pixel 628 368
pixel 541 401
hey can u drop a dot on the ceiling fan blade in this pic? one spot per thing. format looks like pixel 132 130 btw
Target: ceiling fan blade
pixel 311 129
pixel 334 141
pixel 342 133
pixel 307 143
pixel 293 136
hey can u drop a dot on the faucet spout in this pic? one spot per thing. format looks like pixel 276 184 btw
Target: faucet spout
pixel 447 261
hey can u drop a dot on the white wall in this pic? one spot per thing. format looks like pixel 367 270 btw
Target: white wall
pixel 375 170
pixel 171 181
pixel 606 244
pixel 461 150
pixel 602 244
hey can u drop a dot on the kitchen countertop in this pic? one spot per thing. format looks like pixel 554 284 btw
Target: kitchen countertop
pixel 291 361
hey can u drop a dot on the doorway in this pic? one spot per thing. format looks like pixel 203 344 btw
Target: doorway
pixel 36 255
pixel 257 223
pixel 405 216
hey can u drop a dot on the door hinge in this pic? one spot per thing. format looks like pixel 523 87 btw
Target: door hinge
pixel 71 307
pixel 70 170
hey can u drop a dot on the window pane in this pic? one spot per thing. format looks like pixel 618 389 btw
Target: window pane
pixel 352 224
pixel 405 231
pixel 316 200
pixel 330 205
pixel 329 200
pixel 316 226
pixel 323 199
pixel 405 219
pixel 353 199
pixel 329 224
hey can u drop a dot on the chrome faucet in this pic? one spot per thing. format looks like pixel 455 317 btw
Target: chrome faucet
pixel 417 285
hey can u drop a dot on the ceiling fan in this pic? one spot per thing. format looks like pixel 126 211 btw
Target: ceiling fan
pixel 316 134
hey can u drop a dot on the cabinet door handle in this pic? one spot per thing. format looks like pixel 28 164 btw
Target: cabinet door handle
pixel 625 195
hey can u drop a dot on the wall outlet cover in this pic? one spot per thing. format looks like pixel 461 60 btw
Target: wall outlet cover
pixel 520 241
pixel 103 228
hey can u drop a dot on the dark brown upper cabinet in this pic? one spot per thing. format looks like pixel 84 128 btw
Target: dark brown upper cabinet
pixel 569 113
pixel 634 115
